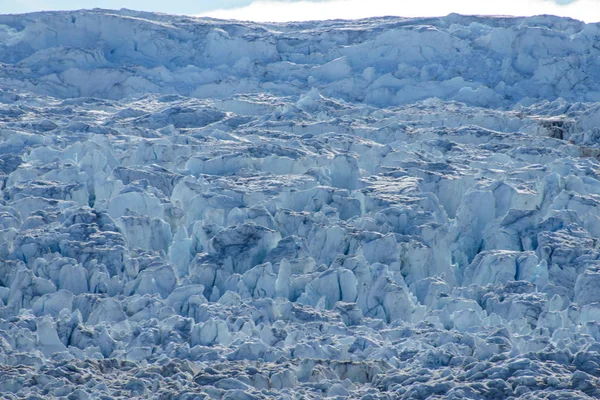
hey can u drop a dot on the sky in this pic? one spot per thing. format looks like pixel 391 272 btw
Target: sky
pixel 294 10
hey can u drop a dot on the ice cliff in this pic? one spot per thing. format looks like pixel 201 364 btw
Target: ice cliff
pixel 378 209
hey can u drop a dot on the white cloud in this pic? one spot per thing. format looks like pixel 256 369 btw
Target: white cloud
pixel 278 11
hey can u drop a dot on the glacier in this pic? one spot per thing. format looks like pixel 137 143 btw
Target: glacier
pixel 386 208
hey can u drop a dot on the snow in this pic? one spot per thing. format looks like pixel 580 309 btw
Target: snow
pixel 382 208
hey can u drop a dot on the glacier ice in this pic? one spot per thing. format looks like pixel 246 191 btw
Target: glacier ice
pixel 386 208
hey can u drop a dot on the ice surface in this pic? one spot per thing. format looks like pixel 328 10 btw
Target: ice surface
pixel 386 208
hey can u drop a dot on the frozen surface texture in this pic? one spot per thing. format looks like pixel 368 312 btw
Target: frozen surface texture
pixel 376 209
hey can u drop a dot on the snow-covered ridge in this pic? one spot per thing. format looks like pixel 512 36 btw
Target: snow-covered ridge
pixel 377 209
pixel 387 61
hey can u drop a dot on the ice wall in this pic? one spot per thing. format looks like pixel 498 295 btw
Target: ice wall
pixel 378 209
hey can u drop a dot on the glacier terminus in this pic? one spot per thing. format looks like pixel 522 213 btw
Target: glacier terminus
pixel 386 208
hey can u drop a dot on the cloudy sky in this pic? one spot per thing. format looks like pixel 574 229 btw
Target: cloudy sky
pixel 287 10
